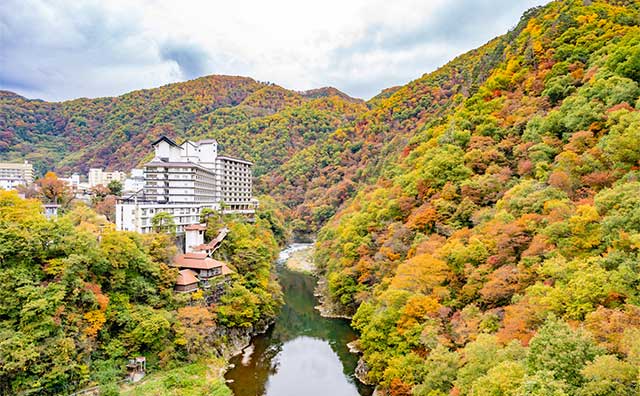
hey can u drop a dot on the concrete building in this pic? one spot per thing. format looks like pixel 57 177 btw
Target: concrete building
pixel 135 181
pixel 72 181
pixel 98 177
pixel 194 236
pixel 184 179
pixel 13 175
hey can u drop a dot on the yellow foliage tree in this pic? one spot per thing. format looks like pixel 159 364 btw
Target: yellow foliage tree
pixel 421 274
pixel 96 320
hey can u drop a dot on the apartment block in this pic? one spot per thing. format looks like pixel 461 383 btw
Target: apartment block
pixel 13 175
pixel 184 179
pixel 99 177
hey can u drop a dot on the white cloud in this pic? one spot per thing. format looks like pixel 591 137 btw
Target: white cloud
pixel 62 49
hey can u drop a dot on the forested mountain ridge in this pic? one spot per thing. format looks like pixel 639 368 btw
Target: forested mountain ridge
pixel 480 223
pixel 115 132
pixel 318 179
pixel 497 253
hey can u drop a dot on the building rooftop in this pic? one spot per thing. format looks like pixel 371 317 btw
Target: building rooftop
pixel 196 261
pixel 226 157
pixel 15 165
pixel 172 164
pixel 186 277
pixel 195 144
pixel 226 270
pixel 196 227
pixel 166 139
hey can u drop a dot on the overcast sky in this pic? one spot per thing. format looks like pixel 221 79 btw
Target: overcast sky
pixel 64 49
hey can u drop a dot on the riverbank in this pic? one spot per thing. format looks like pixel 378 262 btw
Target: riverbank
pixel 325 306
pixel 205 377
pixel 283 360
pixel 302 260
pixel 195 379
pixel 298 257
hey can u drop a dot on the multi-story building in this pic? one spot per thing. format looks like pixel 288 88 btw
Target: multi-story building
pixel 72 181
pixel 184 179
pixel 135 181
pixel 15 174
pixel 98 177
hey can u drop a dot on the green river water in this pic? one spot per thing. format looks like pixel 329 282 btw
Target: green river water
pixel 302 354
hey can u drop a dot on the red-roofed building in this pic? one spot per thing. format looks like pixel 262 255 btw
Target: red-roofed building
pixel 187 281
pixel 204 268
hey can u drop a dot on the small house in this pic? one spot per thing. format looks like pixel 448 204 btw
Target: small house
pixel 186 282
pixel 203 267
pixel 51 210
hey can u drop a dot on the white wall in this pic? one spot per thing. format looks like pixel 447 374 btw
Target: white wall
pixel 126 217
pixel 192 239
pixel 208 153
pixel 166 150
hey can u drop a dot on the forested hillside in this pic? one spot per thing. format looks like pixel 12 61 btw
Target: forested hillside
pixel 261 122
pixel 78 299
pixel 494 247
pixel 319 178
pixel 481 224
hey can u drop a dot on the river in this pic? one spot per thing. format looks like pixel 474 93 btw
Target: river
pixel 302 354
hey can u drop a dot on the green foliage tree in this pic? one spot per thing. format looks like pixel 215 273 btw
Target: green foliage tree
pixel 561 351
pixel 608 376
pixel 115 187
pixel 77 299
pixel 163 222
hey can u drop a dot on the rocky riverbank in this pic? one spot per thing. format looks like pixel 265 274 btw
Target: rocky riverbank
pixel 236 340
pixel 301 259
pixel 326 307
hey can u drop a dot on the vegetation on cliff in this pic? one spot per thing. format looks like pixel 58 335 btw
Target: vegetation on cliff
pixel 498 252
pixel 480 223
pixel 78 299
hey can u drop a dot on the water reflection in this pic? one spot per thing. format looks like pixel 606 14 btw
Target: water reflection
pixel 302 354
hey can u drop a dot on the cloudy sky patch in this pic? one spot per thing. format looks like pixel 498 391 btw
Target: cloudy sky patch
pixel 63 49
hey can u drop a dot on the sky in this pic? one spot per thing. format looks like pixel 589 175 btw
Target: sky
pixel 63 49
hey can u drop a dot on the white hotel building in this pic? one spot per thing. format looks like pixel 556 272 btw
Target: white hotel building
pixel 13 175
pixel 184 179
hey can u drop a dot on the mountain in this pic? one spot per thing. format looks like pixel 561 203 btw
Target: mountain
pixel 321 177
pixel 483 220
pixel 480 223
pixel 115 133
pixel 325 92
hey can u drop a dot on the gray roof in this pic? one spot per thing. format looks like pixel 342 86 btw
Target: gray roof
pixel 166 139
pixel 177 165
pixel 224 157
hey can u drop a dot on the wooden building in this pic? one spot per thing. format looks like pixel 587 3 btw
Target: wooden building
pixel 199 270
pixel 186 282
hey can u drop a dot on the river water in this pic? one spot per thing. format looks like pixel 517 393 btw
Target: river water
pixel 302 354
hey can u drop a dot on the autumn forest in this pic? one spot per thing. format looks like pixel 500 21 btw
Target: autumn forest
pixel 480 225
